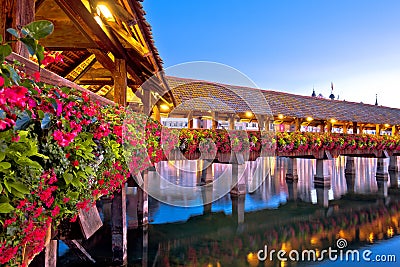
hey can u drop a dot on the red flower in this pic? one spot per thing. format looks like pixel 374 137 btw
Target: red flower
pixel 75 163
pixel 1 81
pixel 36 76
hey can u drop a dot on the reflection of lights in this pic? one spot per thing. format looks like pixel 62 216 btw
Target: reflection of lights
pixel 314 241
pixel 309 119
pixel 371 237
pixel 283 263
pixel 390 232
pixel 280 116
pixel 218 264
pixel 317 253
pixel 286 247
pixel 209 265
pixel 252 259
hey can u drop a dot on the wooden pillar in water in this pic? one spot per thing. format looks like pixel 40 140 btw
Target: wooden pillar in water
pixel 393 164
pixel 207 196
pixel 207 172
pixel 119 228
pixel 48 257
pixel 143 197
pixel 350 174
pixel 382 177
pixel 118 207
pixel 238 184
pixel 292 179
pixel 238 208
pixel 322 182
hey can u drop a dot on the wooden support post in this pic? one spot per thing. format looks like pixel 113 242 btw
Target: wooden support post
pixel 207 172
pixel 238 181
pixel 297 123
pixel 394 130
pixel 292 178
pixel 48 257
pixel 238 208
pixel 378 129
pixel 146 100
pixel 145 255
pixel 393 166
pixel 322 127
pixel 291 173
pixel 328 127
pixel 350 166
pixel 23 13
pixel 190 119
pixel 354 127
pixel 214 116
pixel 232 122
pixel 322 182
pixel 345 128
pixel 207 196
pixel 382 176
pixel 143 198
pixel 156 114
pixel 131 207
pixel 119 228
pixel 120 81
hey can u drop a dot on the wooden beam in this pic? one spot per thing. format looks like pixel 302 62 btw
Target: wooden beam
pixel 24 13
pixel 75 246
pixel 109 64
pixel 52 78
pixel 120 82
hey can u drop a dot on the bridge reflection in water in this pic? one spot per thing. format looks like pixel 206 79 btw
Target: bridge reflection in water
pixel 274 211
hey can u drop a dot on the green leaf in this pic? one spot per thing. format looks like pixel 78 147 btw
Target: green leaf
pixel 5 50
pixel 30 44
pixel 13 32
pixel 13 74
pixel 68 177
pixel 46 121
pixel 22 122
pixel 6 208
pixel 75 182
pixel 20 187
pixel 5 165
pixel 39 29
pixel 39 54
pixel 28 162
pixel 41 114
pixel 2 156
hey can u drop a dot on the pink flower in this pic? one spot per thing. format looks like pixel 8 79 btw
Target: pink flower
pixel 36 76
pixel 15 138
pixel 1 81
pixel 55 211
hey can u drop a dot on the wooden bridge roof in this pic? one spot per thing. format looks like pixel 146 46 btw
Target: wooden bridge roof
pixel 286 104
pixel 90 41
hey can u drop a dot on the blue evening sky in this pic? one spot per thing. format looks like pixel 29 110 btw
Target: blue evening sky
pixel 287 45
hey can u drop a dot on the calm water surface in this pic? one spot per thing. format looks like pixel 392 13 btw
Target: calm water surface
pixel 231 230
